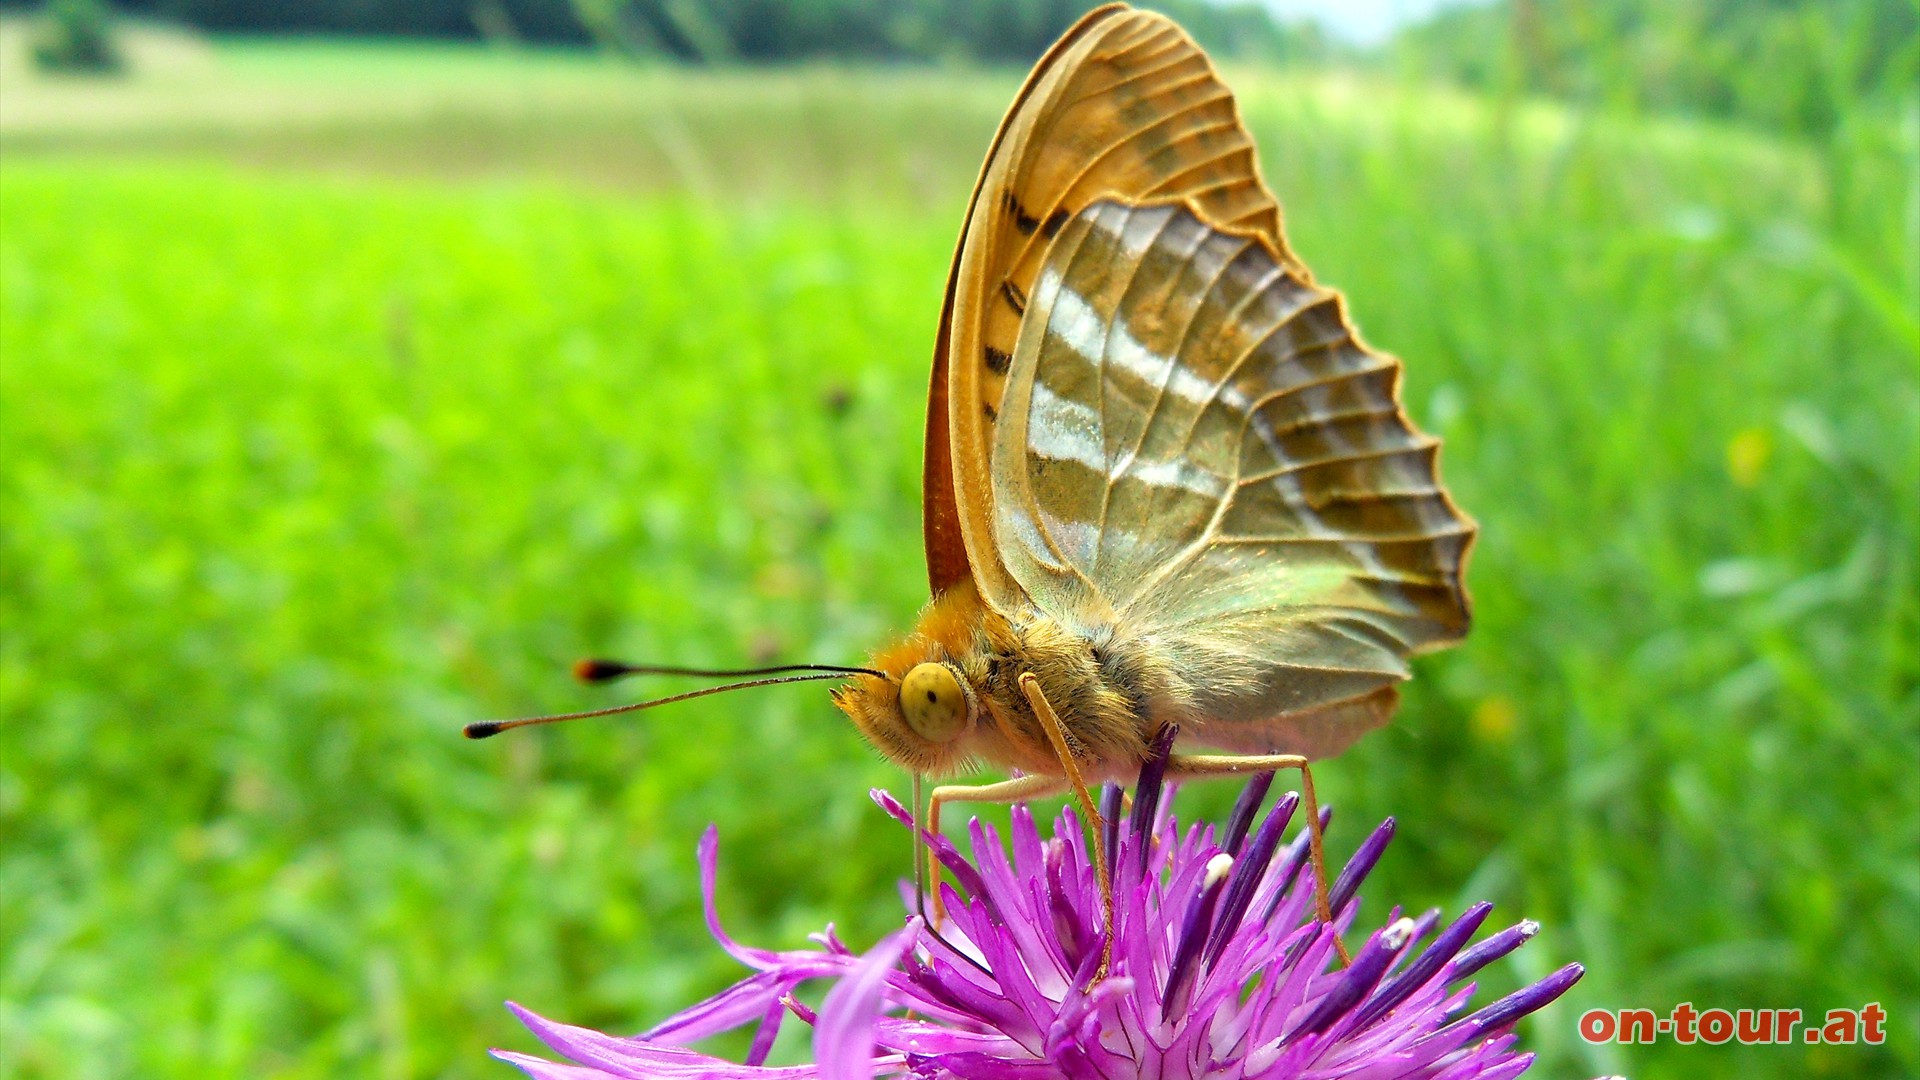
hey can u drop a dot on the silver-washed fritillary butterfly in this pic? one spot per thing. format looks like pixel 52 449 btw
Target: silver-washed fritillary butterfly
pixel 1166 483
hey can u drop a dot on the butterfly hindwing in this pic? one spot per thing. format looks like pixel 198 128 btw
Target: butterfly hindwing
pixel 1194 441
pixel 1124 107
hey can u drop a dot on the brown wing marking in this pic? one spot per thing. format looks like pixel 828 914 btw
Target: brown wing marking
pixel 948 562
pixel 1125 106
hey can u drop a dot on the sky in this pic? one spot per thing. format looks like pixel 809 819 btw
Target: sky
pixel 1362 22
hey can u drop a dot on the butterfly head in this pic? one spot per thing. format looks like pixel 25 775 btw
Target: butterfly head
pixel 926 713
pixel 919 718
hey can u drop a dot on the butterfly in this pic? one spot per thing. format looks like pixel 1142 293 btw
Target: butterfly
pixel 1166 484
pixel 1165 481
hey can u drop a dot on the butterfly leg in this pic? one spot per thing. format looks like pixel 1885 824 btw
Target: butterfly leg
pixel 1019 789
pixel 1096 827
pixel 1206 765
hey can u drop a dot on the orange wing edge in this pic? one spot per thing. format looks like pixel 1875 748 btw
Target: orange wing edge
pixel 947 561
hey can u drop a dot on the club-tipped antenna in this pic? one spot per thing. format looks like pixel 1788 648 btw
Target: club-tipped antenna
pixel 484 729
pixel 595 670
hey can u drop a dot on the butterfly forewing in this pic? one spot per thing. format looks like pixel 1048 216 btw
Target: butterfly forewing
pixel 1124 107
pixel 1194 441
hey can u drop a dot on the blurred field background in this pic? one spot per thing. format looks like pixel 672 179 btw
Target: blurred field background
pixel 353 386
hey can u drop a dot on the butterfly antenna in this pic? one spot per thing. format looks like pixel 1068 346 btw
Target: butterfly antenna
pixel 484 729
pixel 594 670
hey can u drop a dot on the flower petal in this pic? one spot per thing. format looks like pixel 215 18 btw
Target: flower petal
pixel 843 1039
pixel 739 1004
pixel 637 1059
pixel 541 1069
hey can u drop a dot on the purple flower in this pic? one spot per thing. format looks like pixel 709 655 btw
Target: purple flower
pixel 1219 970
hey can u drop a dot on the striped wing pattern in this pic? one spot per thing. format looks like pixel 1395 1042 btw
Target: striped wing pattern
pixel 1194 441
pixel 1125 106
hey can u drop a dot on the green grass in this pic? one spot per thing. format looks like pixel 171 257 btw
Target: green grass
pixel 300 472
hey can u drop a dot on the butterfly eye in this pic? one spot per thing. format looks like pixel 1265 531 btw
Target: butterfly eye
pixel 932 702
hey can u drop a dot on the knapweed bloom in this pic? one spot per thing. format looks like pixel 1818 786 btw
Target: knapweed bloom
pixel 1219 970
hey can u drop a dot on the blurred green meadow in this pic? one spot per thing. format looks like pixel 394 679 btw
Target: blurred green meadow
pixel 351 390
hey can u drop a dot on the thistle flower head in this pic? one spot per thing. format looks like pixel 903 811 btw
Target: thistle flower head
pixel 1219 970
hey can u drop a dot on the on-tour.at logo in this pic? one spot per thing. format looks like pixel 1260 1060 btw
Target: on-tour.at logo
pixel 1866 1025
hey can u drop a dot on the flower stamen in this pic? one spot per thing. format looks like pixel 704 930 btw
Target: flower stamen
pixel 1198 922
pixel 1249 871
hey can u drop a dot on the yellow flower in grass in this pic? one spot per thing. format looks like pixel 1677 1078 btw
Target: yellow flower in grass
pixel 1493 719
pixel 1747 454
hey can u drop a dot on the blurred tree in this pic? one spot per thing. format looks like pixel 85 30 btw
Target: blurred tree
pixel 533 20
pixel 995 31
pixel 1783 64
pixel 710 31
pixel 75 35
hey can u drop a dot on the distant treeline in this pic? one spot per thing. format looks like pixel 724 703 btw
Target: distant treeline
pixel 1012 31
pixel 1792 65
